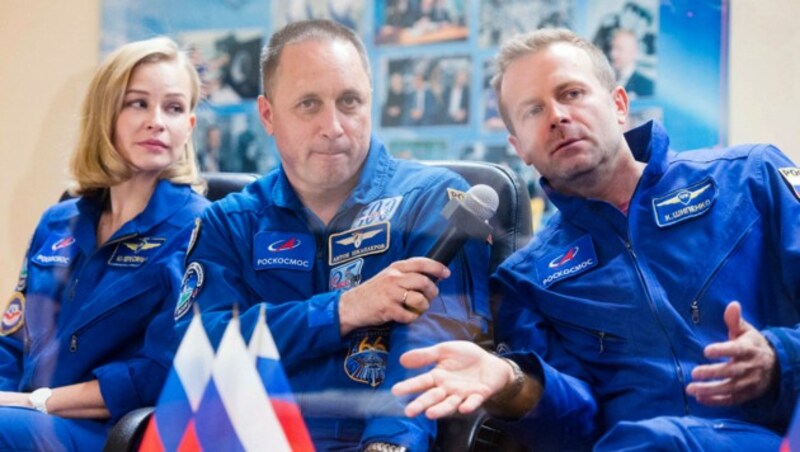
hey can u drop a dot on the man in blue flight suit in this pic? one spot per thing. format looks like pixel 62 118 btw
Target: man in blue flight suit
pixel 618 320
pixel 327 241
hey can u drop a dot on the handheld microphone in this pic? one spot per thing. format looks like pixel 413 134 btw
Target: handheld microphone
pixel 466 220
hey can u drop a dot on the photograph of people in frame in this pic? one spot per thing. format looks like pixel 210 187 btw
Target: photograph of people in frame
pixel 501 19
pixel 349 13
pixel 231 140
pixel 228 63
pixel 413 22
pixel 491 110
pixel 426 92
pixel 626 31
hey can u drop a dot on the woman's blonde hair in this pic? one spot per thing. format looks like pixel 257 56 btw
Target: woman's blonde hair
pixel 96 164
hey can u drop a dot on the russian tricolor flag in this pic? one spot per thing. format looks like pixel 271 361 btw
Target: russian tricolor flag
pixel 265 354
pixel 235 413
pixel 172 426
pixel 238 400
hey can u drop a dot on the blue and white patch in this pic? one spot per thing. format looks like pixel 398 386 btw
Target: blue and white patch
pixel 284 250
pixel 134 253
pixel 190 289
pixel 366 359
pixel 377 211
pixel 685 203
pixel 573 260
pixel 792 177
pixel 346 276
pixel 358 242
pixel 58 251
pixel 13 314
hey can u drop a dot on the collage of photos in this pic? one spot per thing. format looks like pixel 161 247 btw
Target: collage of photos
pixel 432 68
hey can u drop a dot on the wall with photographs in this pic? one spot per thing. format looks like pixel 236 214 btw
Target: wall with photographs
pixel 432 65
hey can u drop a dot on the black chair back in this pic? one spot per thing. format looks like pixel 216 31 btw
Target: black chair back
pixel 221 184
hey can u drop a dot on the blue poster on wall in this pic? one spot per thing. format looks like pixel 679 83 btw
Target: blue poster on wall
pixel 431 65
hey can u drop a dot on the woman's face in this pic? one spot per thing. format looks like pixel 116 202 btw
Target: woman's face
pixel 156 119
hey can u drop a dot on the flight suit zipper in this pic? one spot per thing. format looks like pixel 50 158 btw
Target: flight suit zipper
pixel 601 336
pixel 651 303
pixel 73 341
pixel 695 305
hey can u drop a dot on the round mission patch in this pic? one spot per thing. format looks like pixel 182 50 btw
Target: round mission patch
pixel 13 314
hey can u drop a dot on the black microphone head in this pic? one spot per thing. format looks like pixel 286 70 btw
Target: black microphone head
pixel 482 200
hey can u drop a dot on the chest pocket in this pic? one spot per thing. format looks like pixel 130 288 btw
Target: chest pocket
pixel 587 328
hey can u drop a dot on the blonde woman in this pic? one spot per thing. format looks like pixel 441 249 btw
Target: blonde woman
pixel 87 334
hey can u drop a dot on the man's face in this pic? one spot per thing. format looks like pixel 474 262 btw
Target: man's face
pixel 624 50
pixel 566 123
pixel 319 115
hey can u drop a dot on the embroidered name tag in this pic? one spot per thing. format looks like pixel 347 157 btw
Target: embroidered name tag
pixel 575 259
pixel 792 177
pixel 685 203
pixel 57 251
pixel 358 242
pixel 134 253
pixel 377 211
pixel 284 250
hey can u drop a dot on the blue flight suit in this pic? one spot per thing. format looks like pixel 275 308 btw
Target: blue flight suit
pixel 613 312
pixel 264 246
pixel 82 312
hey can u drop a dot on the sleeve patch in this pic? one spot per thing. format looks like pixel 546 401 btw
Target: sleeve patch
pixel 13 314
pixel 792 177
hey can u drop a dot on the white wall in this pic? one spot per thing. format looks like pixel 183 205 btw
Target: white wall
pixel 49 50
pixel 765 73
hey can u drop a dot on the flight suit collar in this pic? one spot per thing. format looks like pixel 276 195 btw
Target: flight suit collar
pixel 167 198
pixel 649 144
pixel 378 169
